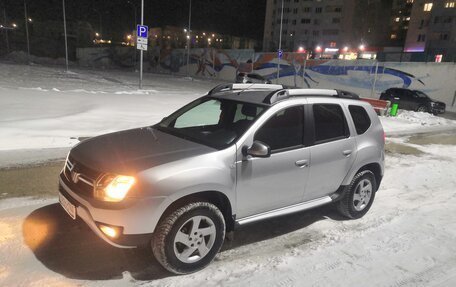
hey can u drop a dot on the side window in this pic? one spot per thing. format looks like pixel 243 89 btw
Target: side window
pixel 360 118
pixel 330 123
pixel 284 129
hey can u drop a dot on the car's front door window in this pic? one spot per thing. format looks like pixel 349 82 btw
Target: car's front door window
pixel 284 130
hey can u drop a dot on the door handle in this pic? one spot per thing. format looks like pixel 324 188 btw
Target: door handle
pixel 347 152
pixel 302 163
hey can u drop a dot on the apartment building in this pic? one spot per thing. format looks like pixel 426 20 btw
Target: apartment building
pixel 432 28
pixel 308 23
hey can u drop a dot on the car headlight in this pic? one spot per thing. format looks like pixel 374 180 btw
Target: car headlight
pixel 113 188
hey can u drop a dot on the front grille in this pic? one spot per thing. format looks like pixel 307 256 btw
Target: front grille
pixel 79 177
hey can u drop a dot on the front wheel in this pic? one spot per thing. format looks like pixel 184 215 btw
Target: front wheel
pixel 359 196
pixel 189 238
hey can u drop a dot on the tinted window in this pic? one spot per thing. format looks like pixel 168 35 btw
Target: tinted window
pixel 283 130
pixel 330 123
pixel 360 118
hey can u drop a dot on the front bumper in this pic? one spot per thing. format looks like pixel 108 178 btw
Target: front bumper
pixel 437 110
pixel 133 217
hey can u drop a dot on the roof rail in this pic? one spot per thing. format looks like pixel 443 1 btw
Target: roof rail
pixel 231 87
pixel 288 93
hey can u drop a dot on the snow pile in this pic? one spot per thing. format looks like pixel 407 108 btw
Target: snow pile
pixel 412 122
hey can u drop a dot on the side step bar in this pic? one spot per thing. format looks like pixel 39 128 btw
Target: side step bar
pixel 285 210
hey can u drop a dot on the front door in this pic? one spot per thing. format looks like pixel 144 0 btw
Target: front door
pixel 264 184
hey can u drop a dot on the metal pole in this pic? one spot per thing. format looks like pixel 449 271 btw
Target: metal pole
pixel 65 32
pixel 213 59
pixel 375 81
pixel 280 44
pixel 6 32
pixel 27 32
pixel 141 52
pixel 189 36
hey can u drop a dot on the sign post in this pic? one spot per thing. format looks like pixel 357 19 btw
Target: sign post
pixel 142 33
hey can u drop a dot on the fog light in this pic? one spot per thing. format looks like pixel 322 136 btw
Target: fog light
pixel 109 231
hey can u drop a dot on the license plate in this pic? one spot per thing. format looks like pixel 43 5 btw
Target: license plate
pixel 69 208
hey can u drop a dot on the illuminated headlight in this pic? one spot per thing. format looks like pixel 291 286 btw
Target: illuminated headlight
pixel 113 188
pixel 109 231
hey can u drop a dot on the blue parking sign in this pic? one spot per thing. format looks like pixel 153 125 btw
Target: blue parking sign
pixel 280 53
pixel 142 31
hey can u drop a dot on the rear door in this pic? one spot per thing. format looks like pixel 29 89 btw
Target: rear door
pixel 333 149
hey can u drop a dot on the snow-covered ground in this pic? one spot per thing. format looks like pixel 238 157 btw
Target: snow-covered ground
pixel 44 108
pixel 406 239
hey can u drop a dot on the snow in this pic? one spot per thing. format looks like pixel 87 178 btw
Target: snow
pixel 406 239
pixel 409 122
pixel 44 108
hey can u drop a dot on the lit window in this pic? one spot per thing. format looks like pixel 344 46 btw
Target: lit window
pixel 393 36
pixel 450 4
pixel 398 19
pixel 427 7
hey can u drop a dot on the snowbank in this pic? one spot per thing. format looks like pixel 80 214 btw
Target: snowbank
pixel 407 122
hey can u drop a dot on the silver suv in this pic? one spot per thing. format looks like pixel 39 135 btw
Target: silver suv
pixel 240 154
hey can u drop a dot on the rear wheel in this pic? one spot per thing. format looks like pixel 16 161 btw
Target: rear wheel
pixel 422 109
pixel 189 238
pixel 359 196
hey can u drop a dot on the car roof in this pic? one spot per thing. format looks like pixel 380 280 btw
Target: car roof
pixel 269 94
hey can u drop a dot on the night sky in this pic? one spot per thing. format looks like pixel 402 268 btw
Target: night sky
pixel 236 17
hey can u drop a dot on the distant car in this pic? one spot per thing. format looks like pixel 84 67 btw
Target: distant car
pixel 247 78
pixel 413 100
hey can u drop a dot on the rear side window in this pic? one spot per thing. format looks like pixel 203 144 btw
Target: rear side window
pixel 360 118
pixel 330 123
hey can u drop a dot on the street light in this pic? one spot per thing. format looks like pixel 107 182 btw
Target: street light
pixel 14 25
pixel 280 43
pixel 65 32
pixel 362 47
pixel 97 34
pixel 27 19
pixel 189 35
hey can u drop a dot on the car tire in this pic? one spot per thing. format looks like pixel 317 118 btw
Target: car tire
pixel 182 247
pixel 422 109
pixel 359 195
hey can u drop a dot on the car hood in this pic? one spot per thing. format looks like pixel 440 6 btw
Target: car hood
pixel 130 151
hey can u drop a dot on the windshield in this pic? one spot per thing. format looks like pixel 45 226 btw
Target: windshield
pixel 421 95
pixel 213 122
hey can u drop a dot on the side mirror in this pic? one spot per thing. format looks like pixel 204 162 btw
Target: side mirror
pixel 259 149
